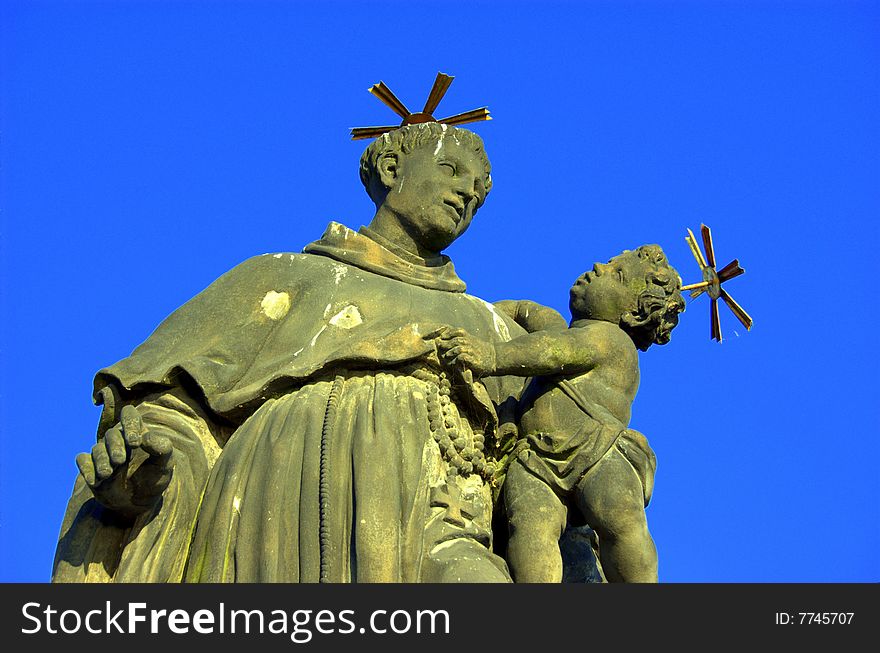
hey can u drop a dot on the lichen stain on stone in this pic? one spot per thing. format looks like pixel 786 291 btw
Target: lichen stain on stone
pixel 339 272
pixel 315 337
pixel 443 545
pixel 497 321
pixel 275 305
pixel 348 318
pixel 500 326
pixel 432 463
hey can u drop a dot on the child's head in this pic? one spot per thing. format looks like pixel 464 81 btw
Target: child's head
pixel 637 290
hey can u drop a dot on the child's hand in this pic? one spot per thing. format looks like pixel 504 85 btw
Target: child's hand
pixel 459 348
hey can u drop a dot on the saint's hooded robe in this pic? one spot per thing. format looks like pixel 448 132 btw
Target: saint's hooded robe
pixel 298 392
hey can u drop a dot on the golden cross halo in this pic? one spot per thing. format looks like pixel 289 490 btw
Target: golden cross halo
pixel 441 85
pixel 712 281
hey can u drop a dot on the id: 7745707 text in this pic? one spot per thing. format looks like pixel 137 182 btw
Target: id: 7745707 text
pixel 814 618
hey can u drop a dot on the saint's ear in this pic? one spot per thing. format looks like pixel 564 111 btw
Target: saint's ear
pixel 387 168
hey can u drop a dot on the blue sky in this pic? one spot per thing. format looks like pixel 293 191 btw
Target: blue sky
pixel 148 147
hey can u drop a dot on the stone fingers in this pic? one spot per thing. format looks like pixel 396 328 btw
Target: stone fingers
pixel 101 458
pixel 436 333
pixel 461 357
pixel 87 469
pixel 453 353
pixel 114 450
pixel 158 447
pixel 100 463
pixel 132 426
pixel 115 443
pixel 445 332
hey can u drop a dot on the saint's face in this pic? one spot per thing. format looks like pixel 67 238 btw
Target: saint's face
pixel 437 191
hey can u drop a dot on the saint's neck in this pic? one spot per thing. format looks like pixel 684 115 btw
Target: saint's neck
pixel 388 229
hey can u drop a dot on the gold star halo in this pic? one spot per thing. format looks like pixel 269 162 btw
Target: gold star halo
pixel 712 280
pixel 441 85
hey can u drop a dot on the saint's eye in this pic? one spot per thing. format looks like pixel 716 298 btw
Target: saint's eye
pixel 448 168
pixel 620 275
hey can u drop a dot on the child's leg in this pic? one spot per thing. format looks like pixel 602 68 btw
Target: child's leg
pixel 612 500
pixel 536 519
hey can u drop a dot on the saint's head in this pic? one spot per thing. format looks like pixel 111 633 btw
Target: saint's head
pixel 637 290
pixel 427 181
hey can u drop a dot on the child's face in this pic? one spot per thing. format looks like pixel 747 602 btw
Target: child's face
pixel 605 292
pixel 612 289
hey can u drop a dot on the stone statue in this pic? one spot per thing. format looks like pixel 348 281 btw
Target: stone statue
pixel 350 414
pixel 294 421
pixel 576 449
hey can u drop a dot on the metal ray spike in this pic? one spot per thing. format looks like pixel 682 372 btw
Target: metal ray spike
pixel 358 133
pixel 730 271
pixel 737 310
pixel 468 116
pixel 715 319
pixel 695 249
pixel 390 100
pixel 706 233
pixel 441 85
pixel 438 90
pixel 712 280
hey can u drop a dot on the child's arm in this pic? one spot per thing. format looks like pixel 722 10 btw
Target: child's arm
pixel 572 351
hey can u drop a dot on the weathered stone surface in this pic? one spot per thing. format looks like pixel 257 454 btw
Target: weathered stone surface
pixel 349 413
pixel 293 422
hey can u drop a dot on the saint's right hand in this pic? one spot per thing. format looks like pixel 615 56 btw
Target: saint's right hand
pixel 458 348
pixel 130 467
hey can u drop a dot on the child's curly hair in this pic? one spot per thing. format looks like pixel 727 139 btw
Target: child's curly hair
pixel 659 304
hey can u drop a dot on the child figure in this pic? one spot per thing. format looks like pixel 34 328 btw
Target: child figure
pixel 575 450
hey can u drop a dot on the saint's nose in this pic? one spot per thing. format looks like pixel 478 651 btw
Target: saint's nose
pixel 470 186
pixel 467 188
